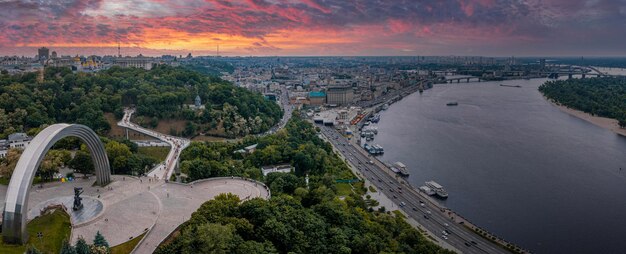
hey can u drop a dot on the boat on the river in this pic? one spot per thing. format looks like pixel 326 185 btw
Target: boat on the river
pixel 518 86
pixel 401 169
pixel 454 103
pixel 437 188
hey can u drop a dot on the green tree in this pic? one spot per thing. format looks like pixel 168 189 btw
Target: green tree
pixel 7 165
pixel 190 129
pixel 208 238
pixel 81 246
pixel 32 250
pixel 82 163
pixel 66 248
pixel 99 241
pixel 116 149
pixel 118 154
pixel 51 163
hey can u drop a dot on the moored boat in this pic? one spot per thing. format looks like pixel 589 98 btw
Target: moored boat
pixel 437 188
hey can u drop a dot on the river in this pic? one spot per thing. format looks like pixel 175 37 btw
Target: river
pixel 514 164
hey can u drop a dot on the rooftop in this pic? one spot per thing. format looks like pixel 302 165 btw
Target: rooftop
pixel 317 94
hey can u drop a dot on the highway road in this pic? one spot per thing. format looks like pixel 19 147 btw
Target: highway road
pixel 417 205
pixel 287 110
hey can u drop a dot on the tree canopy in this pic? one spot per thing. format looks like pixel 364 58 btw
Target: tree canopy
pixel 605 97
pixel 299 217
pixel 297 144
pixel 159 93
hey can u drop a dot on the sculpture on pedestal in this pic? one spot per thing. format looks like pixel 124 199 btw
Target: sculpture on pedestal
pixel 77 199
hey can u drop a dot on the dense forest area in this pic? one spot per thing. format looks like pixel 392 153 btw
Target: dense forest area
pixel 63 96
pixel 605 97
pixel 297 144
pixel 300 217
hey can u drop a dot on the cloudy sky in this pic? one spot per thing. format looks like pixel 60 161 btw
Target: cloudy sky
pixel 316 27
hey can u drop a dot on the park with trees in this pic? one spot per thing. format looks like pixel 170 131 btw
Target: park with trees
pixel 604 97
pixel 301 216
pixel 28 104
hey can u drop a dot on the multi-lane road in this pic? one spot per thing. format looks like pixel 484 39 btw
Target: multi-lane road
pixel 287 111
pixel 418 206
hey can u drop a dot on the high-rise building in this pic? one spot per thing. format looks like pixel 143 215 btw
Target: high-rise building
pixel 339 95
pixel 43 53
pixel 54 54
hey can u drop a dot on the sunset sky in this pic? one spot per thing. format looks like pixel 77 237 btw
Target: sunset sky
pixel 316 27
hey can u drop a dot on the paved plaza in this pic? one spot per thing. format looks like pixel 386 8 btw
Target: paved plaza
pixel 130 206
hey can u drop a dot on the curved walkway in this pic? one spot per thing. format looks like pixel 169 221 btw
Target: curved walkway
pixel 179 201
pixel 177 144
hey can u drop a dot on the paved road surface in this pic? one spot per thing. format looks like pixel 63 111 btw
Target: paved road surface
pixel 420 207
pixel 287 108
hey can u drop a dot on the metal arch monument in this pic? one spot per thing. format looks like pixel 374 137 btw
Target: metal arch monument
pixel 16 201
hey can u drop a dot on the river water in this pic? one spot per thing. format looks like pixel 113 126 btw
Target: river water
pixel 514 164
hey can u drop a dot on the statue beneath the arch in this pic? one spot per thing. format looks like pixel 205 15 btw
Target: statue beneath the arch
pixel 77 199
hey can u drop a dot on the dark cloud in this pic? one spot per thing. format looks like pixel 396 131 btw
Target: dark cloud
pixel 483 26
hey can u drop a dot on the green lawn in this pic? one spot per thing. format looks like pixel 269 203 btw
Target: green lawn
pixel 157 152
pixel 55 227
pixel 127 247
pixel 343 189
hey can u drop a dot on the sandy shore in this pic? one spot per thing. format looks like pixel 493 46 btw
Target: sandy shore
pixel 607 123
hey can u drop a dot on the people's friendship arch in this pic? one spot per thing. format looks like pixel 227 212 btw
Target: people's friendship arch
pixel 16 201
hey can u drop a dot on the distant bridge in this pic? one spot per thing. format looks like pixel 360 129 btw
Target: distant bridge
pixel 466 79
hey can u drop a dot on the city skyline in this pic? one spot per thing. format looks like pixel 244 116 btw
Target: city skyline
pixel 315 27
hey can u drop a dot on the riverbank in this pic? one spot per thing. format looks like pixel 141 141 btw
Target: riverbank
pixel 604 122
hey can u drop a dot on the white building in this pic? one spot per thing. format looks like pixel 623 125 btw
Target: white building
pixel 4 148
pixel 19 140
pixel 285 168
pixel 138 62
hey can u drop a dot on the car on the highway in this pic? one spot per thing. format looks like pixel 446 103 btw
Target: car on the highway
pixel 444 237
pixel 402 204
pixel 474 243
pixel 428 212
pixel 467 244
pixel 422 204
pixel 414 208
pixel 394 196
